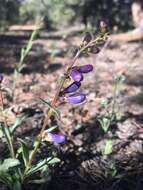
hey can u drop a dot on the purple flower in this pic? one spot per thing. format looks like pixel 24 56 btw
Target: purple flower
pixel 72 88
pixel 76 98
pixel 51 137
pixel 58 138
pixel 85 68
pixel 76 75
pixel 1 78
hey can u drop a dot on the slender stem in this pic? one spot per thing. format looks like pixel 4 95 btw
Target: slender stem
pixel 114 99
pixel 9 141
pixel 49 114
pixel 24 53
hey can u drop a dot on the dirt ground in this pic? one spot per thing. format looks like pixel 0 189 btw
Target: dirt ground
pixel 83 165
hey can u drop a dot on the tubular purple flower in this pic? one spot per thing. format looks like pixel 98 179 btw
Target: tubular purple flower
pixel 58 138
pixel 76 98
pixel 51 137
pixel 76 75
pixel 85 68
pixel 72 88
pixel 1 77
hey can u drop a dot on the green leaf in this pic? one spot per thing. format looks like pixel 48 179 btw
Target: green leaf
pixel 54 161
pixel 17 185
pixel 18 122
pixel 119 78
pixel 45 176
pixel 5 178
pixel 45 173
pixel 108 147
pixel 39 166
pixel 105 123
pixel 9 163
pixel 24 151
pixel 1 132
pixel 78 126
pixel 21 67
pixel 42 164
pixel 51 128
pixel 38 181
pixel 104 103
pixel 113 171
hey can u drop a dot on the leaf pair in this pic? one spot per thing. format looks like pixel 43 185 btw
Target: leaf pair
pixel 41 165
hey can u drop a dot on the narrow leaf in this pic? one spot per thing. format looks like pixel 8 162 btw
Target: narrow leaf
pixel 38 166
pixel 9 163
pixel 18 122
pixel 108 147
pixel 54 161
pixel 24 151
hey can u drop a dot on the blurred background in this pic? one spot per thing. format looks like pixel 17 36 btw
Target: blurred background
pixel 61 13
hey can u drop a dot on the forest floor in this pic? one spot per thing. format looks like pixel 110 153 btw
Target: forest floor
pixel 84 165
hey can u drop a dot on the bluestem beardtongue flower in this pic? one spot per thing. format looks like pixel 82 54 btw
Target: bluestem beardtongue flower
pixel 76 75
pixel 85 68
pixel 72 88
pixel 76 98
pixel 52 137
pixel 1 77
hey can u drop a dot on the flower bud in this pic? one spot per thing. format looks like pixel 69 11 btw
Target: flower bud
pixel 72 88
pixel 85 68
pixel 76 98
pixel 1 78
pixel 50 137
pixel 103 26
pixel 76 75
pixel 87 38
pixel 94 49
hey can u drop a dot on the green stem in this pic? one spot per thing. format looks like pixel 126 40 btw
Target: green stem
pixel 39 139
pixel 24 53
pixel 114 99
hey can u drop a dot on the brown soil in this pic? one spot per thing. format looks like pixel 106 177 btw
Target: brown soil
pixel 83 164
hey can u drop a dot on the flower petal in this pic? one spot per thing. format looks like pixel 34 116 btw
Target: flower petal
pixel 76 98
pixel 72 88
pixel 85 68
pixel 52 137
pixel 76 75
pixel 58 138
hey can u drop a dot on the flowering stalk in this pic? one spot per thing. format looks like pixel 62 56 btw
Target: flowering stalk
pixel 49 114
pixel 73 98
pixel 24 53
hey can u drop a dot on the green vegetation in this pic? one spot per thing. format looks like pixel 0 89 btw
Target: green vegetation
pixel 57 13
